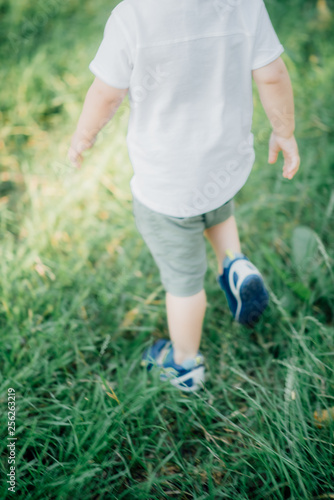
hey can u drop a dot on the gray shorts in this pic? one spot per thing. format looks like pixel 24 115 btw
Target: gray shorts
pixel 177 245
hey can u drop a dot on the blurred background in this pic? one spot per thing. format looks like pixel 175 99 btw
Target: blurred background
pixel 80 295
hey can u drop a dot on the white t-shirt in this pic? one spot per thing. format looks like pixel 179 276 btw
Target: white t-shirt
pixel 187 65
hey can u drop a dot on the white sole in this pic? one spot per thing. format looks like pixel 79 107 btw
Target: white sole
pixel 197 375
pixel 243 270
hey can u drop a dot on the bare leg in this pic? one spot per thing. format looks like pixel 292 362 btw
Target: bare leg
pixel 185 317
pixel 223 236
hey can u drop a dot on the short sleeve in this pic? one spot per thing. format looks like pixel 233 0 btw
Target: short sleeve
pixel 113 61
pixel 267 46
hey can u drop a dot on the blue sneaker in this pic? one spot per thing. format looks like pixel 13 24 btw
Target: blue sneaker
pixel 244 287
pixel 188 377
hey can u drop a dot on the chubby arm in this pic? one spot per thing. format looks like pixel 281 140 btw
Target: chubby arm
pixel 276 95
pixel 101 103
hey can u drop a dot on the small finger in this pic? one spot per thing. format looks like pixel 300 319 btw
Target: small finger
pixel 272 159
pixel 75 159
pixel 292 167
pixel 77 163
pixel 290 174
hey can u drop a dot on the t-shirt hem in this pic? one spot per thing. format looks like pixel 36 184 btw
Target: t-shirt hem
pixel 157 208
pixel 270 59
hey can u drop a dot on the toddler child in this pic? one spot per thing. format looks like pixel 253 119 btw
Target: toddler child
pixel 187 66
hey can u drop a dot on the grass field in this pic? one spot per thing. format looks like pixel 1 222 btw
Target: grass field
pixel 80 295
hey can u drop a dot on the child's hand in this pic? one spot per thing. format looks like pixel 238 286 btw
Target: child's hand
pixel 78 146
pixel 290 152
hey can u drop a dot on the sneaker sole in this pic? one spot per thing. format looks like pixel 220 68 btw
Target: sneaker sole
pixel 197 376
pixel 252 308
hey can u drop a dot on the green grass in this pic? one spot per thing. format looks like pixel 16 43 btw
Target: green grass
pixel 80 295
